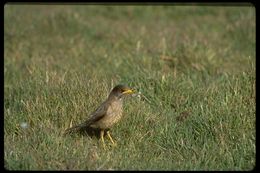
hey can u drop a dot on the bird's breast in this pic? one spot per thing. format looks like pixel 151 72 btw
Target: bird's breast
pixel 115 111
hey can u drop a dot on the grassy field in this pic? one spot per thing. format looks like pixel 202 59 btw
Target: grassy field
pixel 193 65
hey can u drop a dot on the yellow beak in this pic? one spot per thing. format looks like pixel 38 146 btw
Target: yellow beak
pixel 128 91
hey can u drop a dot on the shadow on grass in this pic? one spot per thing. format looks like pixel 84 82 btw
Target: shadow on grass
pixel 87 131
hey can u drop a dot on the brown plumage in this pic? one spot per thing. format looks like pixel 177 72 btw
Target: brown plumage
pixel 107 114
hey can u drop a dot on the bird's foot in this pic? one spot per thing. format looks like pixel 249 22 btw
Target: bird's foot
pixel 111 139
pixel 102 139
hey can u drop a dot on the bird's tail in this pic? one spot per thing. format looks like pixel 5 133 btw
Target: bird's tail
pixel 74 128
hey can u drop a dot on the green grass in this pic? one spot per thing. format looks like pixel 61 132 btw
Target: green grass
pixel 194 66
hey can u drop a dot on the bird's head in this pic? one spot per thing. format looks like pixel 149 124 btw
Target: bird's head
pixel 121 90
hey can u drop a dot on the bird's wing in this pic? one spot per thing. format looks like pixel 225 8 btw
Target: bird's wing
pixel 99 113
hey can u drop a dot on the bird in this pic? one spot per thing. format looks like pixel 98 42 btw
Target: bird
pixel 107 114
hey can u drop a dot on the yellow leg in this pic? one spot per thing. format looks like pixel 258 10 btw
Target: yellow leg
pixel 102 138
pixel 111 139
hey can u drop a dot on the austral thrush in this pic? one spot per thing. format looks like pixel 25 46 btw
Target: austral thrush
pixel 107 114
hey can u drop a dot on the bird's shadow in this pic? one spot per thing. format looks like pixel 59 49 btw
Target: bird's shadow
pixel 88 131
pixel 85 131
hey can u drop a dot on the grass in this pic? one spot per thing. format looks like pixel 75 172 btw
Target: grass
pixel 193 65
